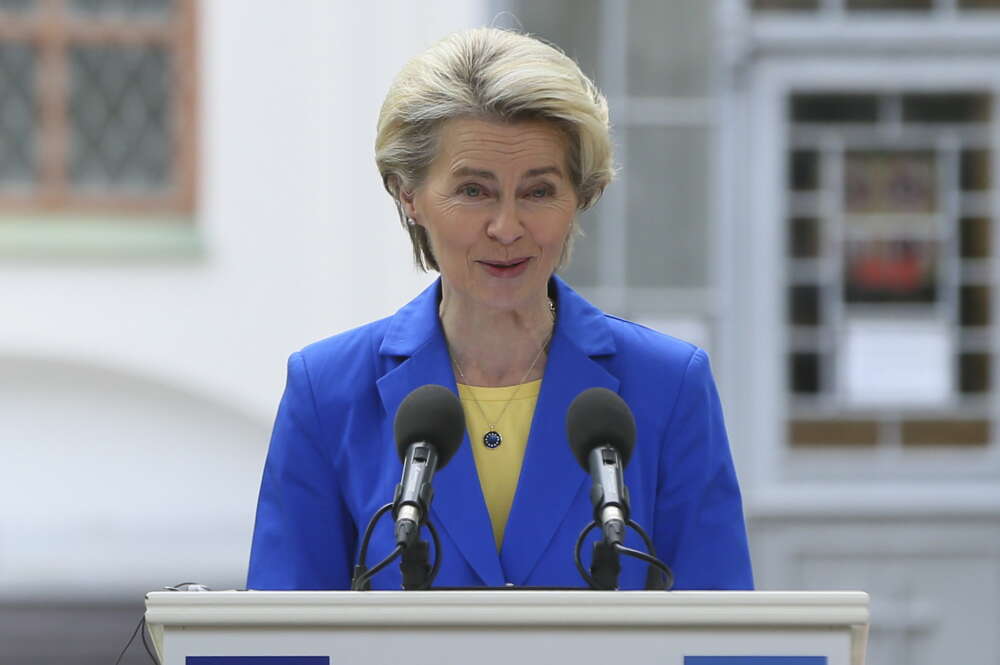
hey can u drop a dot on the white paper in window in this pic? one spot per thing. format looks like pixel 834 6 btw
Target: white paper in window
pixel 903 362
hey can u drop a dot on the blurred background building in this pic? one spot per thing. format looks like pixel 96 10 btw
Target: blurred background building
pixel 809 189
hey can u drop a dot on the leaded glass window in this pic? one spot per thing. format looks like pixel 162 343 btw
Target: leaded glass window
pixel 97 105
pixel 123 8
pixel 118 117
pixel 18 115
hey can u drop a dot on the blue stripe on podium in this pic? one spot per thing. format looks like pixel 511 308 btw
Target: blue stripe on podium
pixel 754 660
pixel 257 660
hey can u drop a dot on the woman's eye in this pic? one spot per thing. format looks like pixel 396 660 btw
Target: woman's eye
pixel 472 191
pixel 540 192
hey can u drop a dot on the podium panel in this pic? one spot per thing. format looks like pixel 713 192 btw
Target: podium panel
pixel 516 627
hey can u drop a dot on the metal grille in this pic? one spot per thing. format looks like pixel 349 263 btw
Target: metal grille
pixel 890 223
pixel 870 6
pixel 17 115
pixel 118 111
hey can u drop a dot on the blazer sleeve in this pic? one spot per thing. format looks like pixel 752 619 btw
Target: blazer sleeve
pixel 699 529
pixel 304 536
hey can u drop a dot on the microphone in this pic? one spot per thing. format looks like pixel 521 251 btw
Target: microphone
pixel 429 427
pixel 601 431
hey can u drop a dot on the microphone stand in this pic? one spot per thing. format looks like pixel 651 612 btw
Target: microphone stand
pixel 417 573
pixel 415 567
pixel 606 566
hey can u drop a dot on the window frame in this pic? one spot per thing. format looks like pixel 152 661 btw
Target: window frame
pixel 763 262
pixel 52 29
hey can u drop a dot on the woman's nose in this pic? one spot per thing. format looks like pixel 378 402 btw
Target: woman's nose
pixel 505 226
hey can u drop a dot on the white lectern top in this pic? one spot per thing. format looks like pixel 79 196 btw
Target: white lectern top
pixel 514 626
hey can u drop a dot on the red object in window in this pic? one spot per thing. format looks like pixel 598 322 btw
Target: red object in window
pixel 900 271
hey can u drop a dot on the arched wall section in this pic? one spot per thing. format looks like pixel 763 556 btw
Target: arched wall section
pixel 116 482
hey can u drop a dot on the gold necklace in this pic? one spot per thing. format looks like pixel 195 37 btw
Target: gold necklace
pixel 492 438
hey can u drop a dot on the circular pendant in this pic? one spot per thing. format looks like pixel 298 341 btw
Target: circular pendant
pixel 492 439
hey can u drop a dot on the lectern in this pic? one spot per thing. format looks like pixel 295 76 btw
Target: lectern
pixel 510 627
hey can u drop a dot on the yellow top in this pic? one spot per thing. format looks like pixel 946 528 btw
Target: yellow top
pixel 500 467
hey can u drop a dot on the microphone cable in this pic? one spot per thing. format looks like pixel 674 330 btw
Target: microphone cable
pixel 362 577
pixel 360 570
pixel 362 582
pixel 666 575
pixel 139 628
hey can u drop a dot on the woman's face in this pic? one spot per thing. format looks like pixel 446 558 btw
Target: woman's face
pixel 498 206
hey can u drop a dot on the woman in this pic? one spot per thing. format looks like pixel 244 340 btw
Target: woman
pixel 490 143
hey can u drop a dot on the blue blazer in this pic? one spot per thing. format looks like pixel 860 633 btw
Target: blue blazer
pixel 332 461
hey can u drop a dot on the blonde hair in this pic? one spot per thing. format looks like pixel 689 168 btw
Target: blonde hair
pixel 494 74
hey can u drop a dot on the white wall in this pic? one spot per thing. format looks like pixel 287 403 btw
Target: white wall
pixel 136 398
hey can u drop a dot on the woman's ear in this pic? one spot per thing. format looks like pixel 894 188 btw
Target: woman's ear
pixel 407 206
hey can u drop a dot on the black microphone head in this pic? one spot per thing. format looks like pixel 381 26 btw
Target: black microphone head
pixel 434 415
pixel 599 417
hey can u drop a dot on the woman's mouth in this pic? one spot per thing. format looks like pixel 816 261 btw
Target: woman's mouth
pixel 506 268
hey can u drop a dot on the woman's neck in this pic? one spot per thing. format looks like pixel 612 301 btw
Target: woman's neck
pixel 494 347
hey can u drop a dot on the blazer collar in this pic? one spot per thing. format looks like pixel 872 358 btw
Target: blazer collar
pixel 550 476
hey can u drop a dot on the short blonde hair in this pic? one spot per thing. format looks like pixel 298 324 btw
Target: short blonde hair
pixel 494 74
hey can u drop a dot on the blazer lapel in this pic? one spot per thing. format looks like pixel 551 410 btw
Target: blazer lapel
pixel 458 508
pixel 550 476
